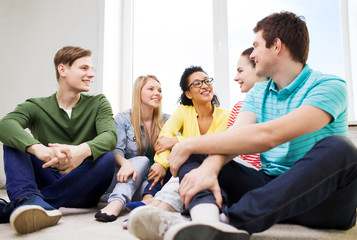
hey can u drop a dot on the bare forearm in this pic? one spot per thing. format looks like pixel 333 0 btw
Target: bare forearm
pixel 86 151
pixel 216 162
pixel 242 140
pixel 120 160
pixel 261 137
pixel 32 149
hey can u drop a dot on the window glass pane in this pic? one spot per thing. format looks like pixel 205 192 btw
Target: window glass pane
pixel 323 22
pixel 168 37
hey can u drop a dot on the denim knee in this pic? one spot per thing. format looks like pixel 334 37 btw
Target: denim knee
pixel 341 143
pixel 106 162
pixel 141 164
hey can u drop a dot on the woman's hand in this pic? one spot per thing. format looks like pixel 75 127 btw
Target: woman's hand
pixel 164 143
pixel 157 173
pixel 125 171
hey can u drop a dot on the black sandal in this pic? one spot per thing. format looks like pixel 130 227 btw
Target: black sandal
pixel 103 217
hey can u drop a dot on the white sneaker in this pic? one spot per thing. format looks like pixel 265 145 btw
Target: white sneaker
pixel 151 223
pixel 31 218
pixel 124 224
pixel 205 231
pixel 33 214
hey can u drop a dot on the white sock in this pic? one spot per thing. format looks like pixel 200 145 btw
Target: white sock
pixel 205 212
pixel 223 218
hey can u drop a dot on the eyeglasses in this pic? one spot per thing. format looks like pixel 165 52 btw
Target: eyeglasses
pixel 198 83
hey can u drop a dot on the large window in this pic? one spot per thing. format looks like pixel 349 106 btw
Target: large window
pixel 168 37
pixel 163 37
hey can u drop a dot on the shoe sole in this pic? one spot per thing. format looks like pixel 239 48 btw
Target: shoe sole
pixel 30 218
pixel 205 231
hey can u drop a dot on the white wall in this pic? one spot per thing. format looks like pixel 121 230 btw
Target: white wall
pixel 31 33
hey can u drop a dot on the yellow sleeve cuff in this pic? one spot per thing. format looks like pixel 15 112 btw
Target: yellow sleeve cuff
pixel 162 159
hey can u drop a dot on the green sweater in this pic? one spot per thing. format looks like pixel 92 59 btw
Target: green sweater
pixel 91 122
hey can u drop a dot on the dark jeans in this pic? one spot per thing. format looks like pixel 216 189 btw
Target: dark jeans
pixel 158 186
pixel 319 190
pixel 82 187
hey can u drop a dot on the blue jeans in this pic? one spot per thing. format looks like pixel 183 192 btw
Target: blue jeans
pixel 125 191
pixel 158 186
pixel 319 190
pixel 82 187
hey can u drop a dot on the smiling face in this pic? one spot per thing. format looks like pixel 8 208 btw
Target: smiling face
pixel 151 94
pixel 263 56
pixel 78 76
pixel 246 76
pixel 202 94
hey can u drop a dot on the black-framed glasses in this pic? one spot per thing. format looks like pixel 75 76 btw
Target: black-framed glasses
pixel 198 83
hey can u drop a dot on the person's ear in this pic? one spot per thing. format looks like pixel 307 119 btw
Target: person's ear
pixel 61 70
pixel 188 94
pixel 277 45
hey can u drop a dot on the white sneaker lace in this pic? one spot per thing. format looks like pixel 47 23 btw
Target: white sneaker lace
pixel 163 226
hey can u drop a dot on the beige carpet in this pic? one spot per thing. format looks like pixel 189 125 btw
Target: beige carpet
pixel 79 224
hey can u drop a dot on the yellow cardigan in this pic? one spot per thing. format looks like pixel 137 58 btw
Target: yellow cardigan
pixel 184 121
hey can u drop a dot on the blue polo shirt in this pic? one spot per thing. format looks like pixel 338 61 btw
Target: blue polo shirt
pixel 313 88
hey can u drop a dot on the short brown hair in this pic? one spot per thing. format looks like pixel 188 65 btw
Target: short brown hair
pixel 290 29
pixel 69 54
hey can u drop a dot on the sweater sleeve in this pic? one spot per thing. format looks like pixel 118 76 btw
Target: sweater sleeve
pixel 106 138
pixel 13 125
pixel 171 128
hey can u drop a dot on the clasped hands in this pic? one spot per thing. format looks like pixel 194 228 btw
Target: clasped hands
pixel 61 156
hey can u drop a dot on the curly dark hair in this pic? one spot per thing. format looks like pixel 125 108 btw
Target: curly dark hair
pixel 290 29
pixel 184 84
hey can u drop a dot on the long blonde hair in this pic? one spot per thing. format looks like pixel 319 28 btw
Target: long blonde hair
pixel 157 118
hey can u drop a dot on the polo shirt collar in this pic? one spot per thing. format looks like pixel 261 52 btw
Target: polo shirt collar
pixel 305 72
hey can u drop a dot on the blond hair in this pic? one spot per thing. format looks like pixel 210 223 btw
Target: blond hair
pixel 157 119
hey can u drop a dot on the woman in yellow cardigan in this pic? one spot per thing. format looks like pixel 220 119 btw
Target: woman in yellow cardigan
pixel 197 114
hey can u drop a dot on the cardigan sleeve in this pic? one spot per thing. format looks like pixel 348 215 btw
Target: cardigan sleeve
pixel 171 128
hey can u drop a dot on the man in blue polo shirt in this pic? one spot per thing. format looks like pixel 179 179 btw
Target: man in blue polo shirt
pixel 298 121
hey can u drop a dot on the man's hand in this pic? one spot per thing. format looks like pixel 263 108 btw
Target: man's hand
pixel 198 180
pixel 75 155
pixel 164 143
pixel 125 171
pixel 178 156
pixel 157 173
pixel 45 154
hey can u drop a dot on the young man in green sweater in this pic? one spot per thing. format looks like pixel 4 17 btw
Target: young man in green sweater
pixel 67 161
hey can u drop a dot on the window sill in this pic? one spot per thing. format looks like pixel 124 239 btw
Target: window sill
pixel 352 123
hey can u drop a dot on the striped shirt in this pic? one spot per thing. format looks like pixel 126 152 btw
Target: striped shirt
pixel 252 159
pixel 323 91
